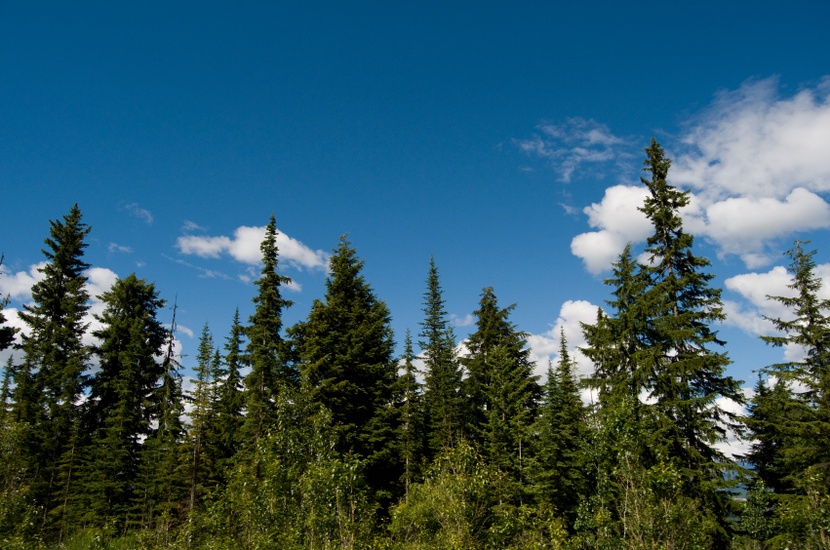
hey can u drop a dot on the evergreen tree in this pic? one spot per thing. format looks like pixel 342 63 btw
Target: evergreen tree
pixel 794 425
pixel 411 421
pixel 560 464
pixel 230 399
pixel 7 334
pixel 442 395
pixel 163 482
pixel 120 405
pixel 52 378
pixel 501 390
pixel 661 348
pixel 200 445
pixel 266 349
pixel 346 351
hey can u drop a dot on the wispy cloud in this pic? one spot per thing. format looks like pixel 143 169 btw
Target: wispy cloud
pixel 244 247
pixel 115 247
pixel 141 213
pixel 574 145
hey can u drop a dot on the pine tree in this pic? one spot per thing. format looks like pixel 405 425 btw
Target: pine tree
pixel 411 421
pixel 230 399
pixel 442 395
pixel 806 445
pixel 163 480
pixel 346 350
pixel 120 405
pixel 266 349
pixel 560 466
pixel 51 378
pixel 658 352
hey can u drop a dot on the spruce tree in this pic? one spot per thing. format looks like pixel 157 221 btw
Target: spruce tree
pixel 346 351
pixel 52 376
pixel 442 394
pixel 806 448
pixel 659 353
pixel 560 469
pixel 411 417
pixel 500 389
pixel 230 399
pixel 121 401
pixel 163 480
pixel 266 349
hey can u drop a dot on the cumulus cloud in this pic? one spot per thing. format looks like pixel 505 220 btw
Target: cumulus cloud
pixel 244 247
pixel 618 221
pixel 544 347
pixel 755 289
pixel 18 286
pixel 756 165
pixel 574 145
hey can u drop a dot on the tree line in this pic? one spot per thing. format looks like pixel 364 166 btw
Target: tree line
pixel 317 436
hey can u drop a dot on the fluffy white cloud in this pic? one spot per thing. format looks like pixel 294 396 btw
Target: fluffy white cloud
pixel 753 142
pixel 755 288
pixel 244 247
pixel 18 286
pixel 545 347
pixel 619 221
pixel 756 165
pixel 573 145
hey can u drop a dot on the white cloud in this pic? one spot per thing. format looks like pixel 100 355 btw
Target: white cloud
pixel 756 166
pixel 753 142
pixel 755 288
pixel 244 247
pixel 619 221
pixel 141 213
pixel 18 286
pixel 465 321
pixel 573 145
pixel 545 347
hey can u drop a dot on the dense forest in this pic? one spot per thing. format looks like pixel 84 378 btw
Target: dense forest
pixel 318 436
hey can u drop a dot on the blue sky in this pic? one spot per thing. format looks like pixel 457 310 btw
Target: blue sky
pixel 505 139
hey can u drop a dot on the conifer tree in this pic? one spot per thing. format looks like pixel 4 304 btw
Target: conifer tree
pixel 411 420
pixel 661 349
pixel 442 394
pixel 163 482
pixel 266 348
pixel 230 399
pixel 806 433
pixel 51 378
pixel 120 405
pixel 560 467
pixel 500 389
pixel 346 351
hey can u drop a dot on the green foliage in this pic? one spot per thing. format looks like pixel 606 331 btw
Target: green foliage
pixel 442 395
pixel 266 349
pixel 305 496
pixel 346 352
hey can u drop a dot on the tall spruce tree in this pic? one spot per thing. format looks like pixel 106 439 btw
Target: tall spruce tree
pixel 806 451
pixel 411 417
pixel 346 349
pixel 494 330
pixel 265 352
pixel 230 399
pixel 51 378
pixel 560 469
pixel 658 352
pixel 442 394
pixel 120 404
